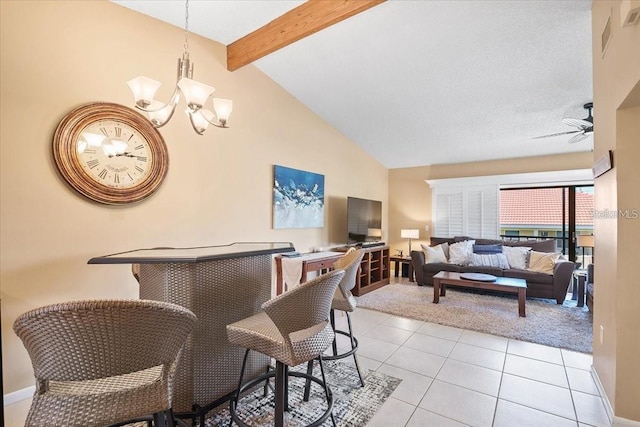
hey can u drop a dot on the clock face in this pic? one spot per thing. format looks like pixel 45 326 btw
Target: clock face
pixel 114 154
pixel 110 153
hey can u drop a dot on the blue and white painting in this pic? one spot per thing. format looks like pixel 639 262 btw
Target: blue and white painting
pixel 298 198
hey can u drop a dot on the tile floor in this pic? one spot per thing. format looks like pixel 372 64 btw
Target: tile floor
pixel 455 377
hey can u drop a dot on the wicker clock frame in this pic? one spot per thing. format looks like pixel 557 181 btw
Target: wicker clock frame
pixel 66 156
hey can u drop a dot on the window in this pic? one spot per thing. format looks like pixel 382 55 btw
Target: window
pixel 548 213
pixel 466 211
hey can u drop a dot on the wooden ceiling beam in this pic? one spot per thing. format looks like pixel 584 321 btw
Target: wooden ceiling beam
pixel 304 20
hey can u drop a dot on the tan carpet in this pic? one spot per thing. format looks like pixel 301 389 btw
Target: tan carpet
pixel 564 326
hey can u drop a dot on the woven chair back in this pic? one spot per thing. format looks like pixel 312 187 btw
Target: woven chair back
pixel 85 340
pixel 306 305
pixel 350 263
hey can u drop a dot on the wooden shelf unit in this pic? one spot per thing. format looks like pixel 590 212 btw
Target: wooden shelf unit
pixel 374 270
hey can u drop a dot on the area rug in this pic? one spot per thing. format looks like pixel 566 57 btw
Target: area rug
pixel 353 405
pixel 564 326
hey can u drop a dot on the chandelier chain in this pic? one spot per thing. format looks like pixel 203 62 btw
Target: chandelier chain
pixel 186 26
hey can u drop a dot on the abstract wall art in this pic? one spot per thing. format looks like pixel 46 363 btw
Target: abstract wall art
pixel 298 198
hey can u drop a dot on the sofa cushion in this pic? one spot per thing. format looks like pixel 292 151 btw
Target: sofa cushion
pixel 434 254
pixel 488 260
pixel 517 256
pixel 487 249
pixel 529 276
pixel 441 266
pixel 542 262
pixel 459 252
pixel 548 245
pixel 435 241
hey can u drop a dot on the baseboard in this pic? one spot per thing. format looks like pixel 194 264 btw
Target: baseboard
pixel 18 395
pixel 613 420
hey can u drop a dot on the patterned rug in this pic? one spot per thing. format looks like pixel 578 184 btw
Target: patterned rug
pixel 564 326
pixel 353 405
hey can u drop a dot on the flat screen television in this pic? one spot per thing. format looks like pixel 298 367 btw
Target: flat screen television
pixel 364 220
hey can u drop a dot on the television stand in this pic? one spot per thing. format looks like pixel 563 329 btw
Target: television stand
pixel 374 268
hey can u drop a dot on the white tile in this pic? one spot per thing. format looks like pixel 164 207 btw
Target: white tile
pixel 590 409
pixel 478 356
pixel 375 349
pixel 574 359
pixel 509 414
pixel 416 361
pixel 392 413
pixel 403 323
pixel 413 385
pixel 364 362
pixel 536 370
pixel 371 317
pixel 480 339
pixel 535 351
pixel 537 395
pixel 424 418
pixel 580 380
pixel 430 344
pixel 470 376
pixel 440 331
pixel 460 404
pixel 389 334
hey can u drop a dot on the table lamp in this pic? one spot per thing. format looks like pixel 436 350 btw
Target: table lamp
pixel 586 241
pixel 410 233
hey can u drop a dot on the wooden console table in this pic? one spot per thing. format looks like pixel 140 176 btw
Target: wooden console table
pixel 373 273
pixel 220 285
pixel 316 261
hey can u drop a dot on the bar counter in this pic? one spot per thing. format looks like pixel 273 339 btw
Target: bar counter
pixel 220 285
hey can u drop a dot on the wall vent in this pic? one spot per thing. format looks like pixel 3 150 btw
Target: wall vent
pixel 630 13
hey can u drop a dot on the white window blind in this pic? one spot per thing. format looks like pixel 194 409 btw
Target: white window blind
pixel 466 211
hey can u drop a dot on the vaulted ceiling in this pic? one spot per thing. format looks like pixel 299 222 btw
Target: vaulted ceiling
pixel 426 82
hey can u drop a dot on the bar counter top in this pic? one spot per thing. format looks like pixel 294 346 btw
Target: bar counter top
pixel 193 255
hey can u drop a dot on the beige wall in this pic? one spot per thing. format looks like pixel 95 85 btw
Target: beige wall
pixel 617 127
pixel 57 55
pixel 410 196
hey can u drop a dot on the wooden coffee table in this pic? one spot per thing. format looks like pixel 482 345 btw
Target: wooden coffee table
pixel 503 284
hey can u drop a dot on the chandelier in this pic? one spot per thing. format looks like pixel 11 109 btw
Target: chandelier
pixel 196 95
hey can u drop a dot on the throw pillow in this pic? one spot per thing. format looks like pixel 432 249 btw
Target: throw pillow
pixel 516 256
pixel 487 249
pixel 489 260
pixel 543 262
pixel 459 252
pixel 434 254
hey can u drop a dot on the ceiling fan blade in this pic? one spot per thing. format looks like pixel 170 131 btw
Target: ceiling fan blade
pixel 578 123
pixel 556 134
pixel 577 138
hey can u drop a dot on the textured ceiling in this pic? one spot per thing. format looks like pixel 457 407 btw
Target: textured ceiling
pixel 427 82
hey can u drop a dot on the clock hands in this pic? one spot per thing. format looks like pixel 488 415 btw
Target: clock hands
pixel 122 154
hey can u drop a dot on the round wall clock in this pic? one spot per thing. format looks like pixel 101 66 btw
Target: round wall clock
pixel 110 153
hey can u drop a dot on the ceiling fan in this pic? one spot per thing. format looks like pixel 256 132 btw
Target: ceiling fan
pixel 585 126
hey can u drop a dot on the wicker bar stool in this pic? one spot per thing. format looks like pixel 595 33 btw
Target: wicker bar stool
pixel 344 300
pixel 293 328
pixel 103 362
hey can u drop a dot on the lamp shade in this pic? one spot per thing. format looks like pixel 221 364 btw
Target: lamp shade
pixel 410 233
pixel 586 240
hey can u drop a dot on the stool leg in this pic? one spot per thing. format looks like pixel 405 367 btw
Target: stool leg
pixel 332 318
pixel 307 387
pixel 353 345
pixel 286 388
pixel 326 388
pixel 234 401
pixel 278 417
